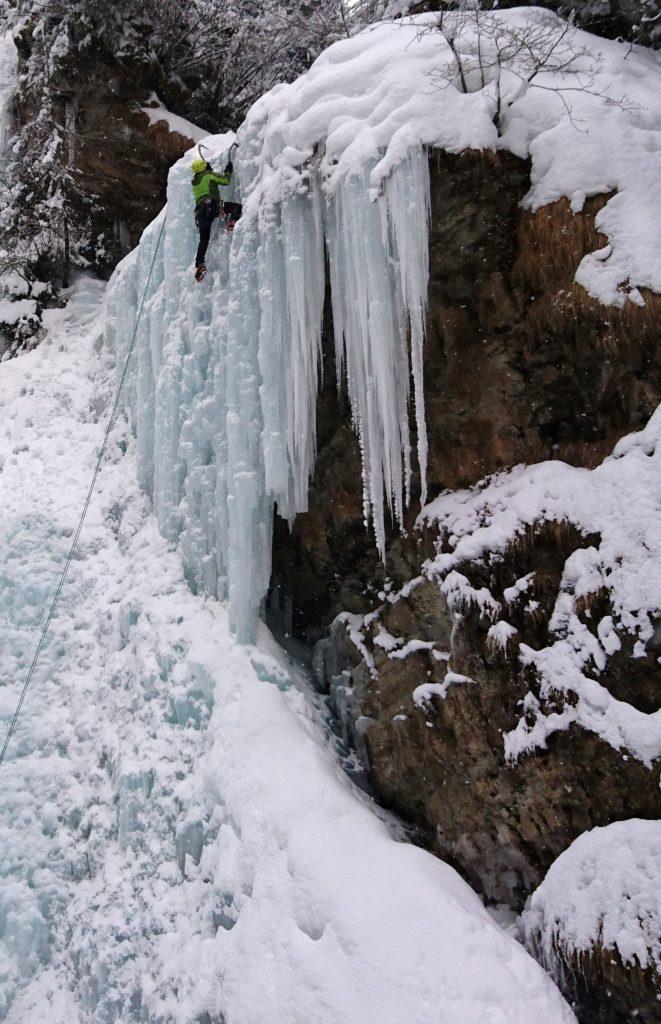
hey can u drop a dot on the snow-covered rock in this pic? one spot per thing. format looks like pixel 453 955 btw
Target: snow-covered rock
pixel 598 912
pixel 618 501
pixel 542 600
pixel 13 311
pixel 603 890
pixel 159 114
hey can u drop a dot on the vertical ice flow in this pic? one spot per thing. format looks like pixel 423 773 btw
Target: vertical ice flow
pixel 222 393
pixel 378 254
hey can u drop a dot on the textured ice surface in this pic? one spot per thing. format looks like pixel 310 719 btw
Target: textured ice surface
pixel 177 841
pixel 223 394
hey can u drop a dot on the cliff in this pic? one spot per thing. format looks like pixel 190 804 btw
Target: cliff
pixel 479 276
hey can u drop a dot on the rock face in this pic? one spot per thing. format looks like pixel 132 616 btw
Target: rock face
pixel 521 365
pixel 441 762
pixel 123 162
pixel 119 160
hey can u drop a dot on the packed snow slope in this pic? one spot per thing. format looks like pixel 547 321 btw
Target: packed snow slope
pixel 177 840
pixel 224 395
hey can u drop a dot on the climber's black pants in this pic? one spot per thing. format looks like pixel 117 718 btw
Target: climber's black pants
pixel 205 214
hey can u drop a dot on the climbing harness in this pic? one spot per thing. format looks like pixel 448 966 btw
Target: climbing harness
pixel 76 536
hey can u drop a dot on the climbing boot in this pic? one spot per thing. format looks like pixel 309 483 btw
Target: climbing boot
pixel 200 272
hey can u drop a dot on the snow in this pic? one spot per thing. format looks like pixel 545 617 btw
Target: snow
pixel 513 593
pixel 177 840
pixel 386 640
pixel 501 633
pixel 409 648
pixel 423 694
pixel 602 891
pixel 158 113
pixel 8 85
pixel 12 312
pixel 370 102
pixel 621 502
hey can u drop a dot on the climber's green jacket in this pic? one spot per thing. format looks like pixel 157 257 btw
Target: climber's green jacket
pixel 205 184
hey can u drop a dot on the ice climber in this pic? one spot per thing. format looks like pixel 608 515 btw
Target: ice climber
pixel 209 204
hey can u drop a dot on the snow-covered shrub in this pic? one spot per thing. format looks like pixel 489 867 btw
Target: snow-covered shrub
pixel 504 58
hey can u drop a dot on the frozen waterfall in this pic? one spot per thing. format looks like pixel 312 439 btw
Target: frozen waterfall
pixel 224 386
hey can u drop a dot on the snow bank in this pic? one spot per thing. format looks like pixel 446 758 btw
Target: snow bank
pixel 620 501
pixel 602 891
pixel 591 128
pixel 177 841
pixel 12 312
pixel 227 374
pixel 158 113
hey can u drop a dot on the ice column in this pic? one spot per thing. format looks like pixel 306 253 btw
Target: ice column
pixel 407 195
pixel 250 510
pixel 291 291
pixel 379 275
pixel 223 392
pixel 272 370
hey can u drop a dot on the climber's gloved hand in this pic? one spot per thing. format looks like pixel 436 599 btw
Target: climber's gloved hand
pixel 229 167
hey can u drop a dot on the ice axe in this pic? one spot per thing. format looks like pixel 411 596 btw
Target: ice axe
pixel 201 147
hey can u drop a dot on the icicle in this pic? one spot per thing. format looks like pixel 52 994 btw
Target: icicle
pixel 407 194
pixel 291 293
pixel 224 395
pixel 370 341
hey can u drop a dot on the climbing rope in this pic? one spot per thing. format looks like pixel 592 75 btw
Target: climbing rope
pixel 76 536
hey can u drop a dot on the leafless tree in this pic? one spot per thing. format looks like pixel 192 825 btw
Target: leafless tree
pixel 505 58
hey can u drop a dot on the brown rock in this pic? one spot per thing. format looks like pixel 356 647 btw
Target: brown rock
pixel 442 765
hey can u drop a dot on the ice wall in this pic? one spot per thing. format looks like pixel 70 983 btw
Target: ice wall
pixel 223 389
